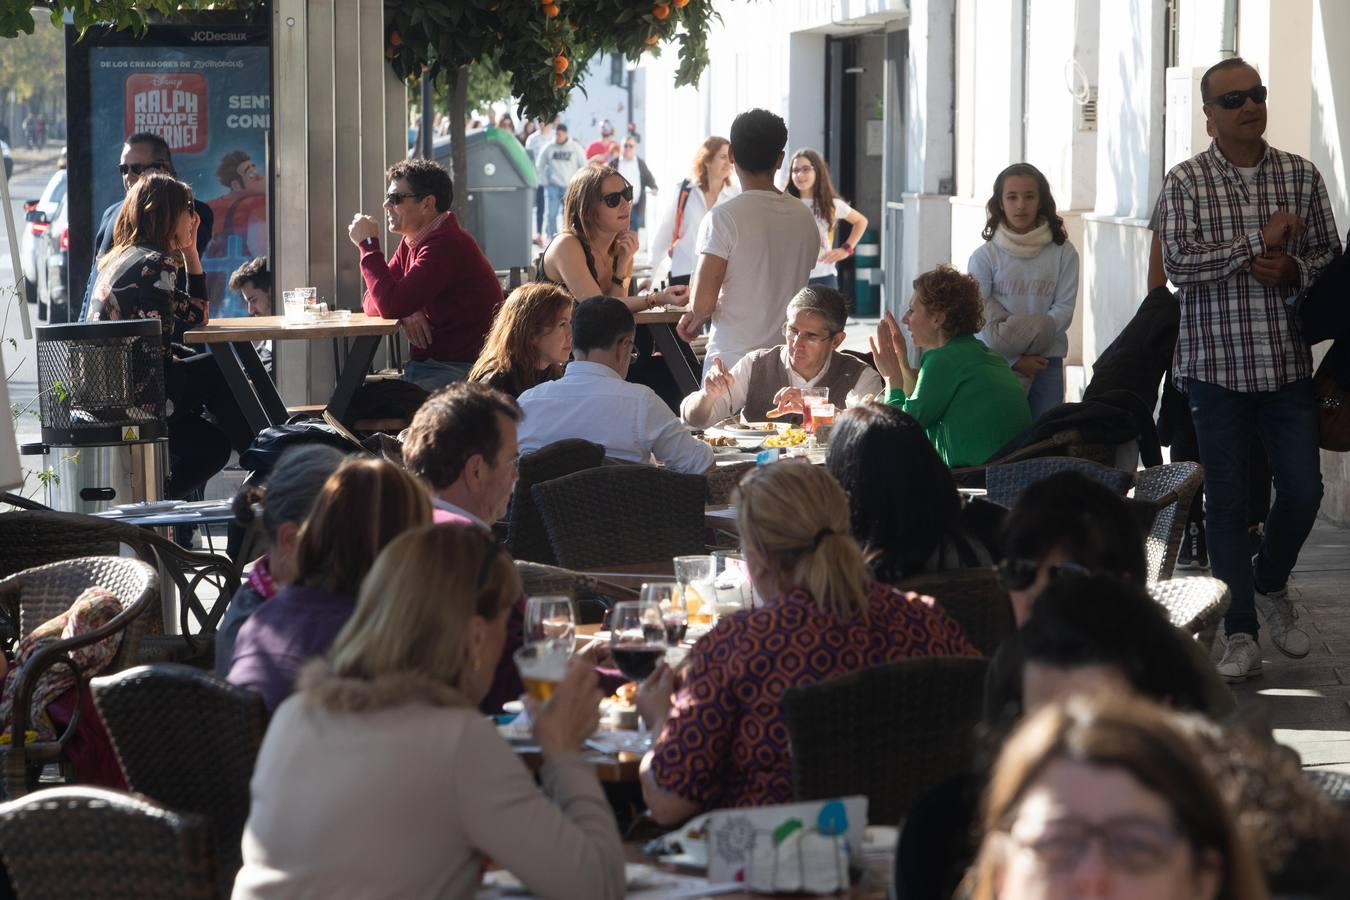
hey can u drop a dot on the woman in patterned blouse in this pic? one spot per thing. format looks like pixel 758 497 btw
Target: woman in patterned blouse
pixel 155 233
pixel 722 738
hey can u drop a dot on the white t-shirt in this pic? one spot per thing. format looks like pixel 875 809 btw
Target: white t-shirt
pixel 841 211
pixel 630 170
pixel 770 243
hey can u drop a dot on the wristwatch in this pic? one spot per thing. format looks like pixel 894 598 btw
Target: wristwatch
pixel 370 243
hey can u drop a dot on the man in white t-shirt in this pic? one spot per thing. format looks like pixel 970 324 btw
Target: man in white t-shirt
pixel 754 252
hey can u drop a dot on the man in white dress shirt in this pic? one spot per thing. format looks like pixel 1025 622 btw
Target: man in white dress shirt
pixel 593 401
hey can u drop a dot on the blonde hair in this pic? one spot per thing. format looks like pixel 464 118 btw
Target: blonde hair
pixel 1133 735
pixel 795 517
pixel 413 613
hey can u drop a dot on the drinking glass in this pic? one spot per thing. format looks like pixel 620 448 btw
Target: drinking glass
pixel 674 616
pixel 542 666
pixel 694 575
pixel 812 396
pixel 293 304
pixel 637 641
pixel 731 580
pixel 550 618
pixel 822 421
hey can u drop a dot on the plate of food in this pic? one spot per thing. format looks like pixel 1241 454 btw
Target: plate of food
pixel 734 428
pixel 793 437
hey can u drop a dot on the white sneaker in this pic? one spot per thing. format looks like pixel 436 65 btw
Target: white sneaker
pixel 1280 616
pixel 1241 658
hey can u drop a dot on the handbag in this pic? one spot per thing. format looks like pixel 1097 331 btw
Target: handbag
pixel 1333 405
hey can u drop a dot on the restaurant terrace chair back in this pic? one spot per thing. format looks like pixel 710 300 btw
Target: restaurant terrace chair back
pixel 889 732
pixel 188 740
pixel 1169 489
pixel 974 599
pixel 623 514
pixel 526 537
pixel 36 595
pixel 1195 603
pixel 1005 482
pixel 593 596
pixel 90 842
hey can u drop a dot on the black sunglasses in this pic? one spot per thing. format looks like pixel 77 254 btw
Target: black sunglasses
pixel 1016 574
pixel 138 168
pixel 1235 99
pixel 612 200
pixel 394 198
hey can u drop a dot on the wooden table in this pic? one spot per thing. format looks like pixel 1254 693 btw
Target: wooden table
pixel 231 342
pixel 675 353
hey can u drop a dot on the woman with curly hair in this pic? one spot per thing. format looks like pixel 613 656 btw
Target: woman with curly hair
pixel 964 395
pixel 530 340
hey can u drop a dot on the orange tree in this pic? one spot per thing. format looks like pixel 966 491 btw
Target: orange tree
pixel 17 15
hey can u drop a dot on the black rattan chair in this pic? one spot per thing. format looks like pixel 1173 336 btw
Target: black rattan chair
pixel 34 596
pixel 889 732
pixel 526 537
pixel 974 599
pixel 188 740
pixel 1169 489
pixel 1005 482
pixel 623 514
pixel 87 842
pixel 1195 604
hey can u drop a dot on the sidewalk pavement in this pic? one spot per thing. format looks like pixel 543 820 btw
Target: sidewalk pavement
pixel 1307 701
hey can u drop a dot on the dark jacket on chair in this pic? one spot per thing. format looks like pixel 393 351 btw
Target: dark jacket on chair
pixel 1114 417
pixel 1141 354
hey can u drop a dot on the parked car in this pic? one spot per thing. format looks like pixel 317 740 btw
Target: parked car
pixel 39 214
pixel 53 269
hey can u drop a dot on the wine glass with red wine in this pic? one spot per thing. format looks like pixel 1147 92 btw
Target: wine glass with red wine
pixel 674 616
pixel 637 641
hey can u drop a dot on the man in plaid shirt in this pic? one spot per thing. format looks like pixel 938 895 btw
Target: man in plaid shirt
pixel 1245 228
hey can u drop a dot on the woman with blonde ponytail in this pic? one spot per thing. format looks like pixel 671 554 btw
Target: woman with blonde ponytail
pixel 722 739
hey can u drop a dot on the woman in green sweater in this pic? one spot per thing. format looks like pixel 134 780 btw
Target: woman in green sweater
pixel 964 395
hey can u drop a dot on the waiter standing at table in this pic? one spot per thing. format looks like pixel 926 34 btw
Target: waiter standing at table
pixel 438 284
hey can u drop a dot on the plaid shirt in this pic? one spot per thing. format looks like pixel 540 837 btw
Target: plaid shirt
pixel 1234 332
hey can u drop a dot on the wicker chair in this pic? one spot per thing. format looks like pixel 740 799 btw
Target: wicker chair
pixel 620 515
pixel 1006 481
pixel 1169 489
pixel 974 599
pixel 526 537
pixel 722 481
pixel 1195 604
pixel 89 842
pixel 1336 785
pixel 37 535
pixel 890 732
pixel 37 595
pixel 188 740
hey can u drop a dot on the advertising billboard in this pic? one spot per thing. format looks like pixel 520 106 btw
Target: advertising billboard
pixel 207 91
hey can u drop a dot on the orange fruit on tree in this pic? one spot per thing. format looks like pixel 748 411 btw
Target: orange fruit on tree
pixel 551 10
pixel 681 4
pixel 560 81
pixel 661 11
pixel 653 40
pixel 560 64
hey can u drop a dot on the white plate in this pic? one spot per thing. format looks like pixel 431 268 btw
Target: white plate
pixel 745 431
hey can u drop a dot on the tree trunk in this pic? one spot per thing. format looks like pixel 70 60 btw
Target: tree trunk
pixel 459 160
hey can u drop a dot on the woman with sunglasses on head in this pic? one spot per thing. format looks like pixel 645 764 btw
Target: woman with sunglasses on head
pixel 1105 798
pixel 722 740
pixel 810 182
pixel 709 183
pixel 154 235
pixel 380 778
pixel 593 254
pixel 1028 274
pixel 530 340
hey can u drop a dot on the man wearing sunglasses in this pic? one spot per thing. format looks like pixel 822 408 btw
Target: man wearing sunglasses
pixel 438 284
pixel 143 152
pixel 1244 228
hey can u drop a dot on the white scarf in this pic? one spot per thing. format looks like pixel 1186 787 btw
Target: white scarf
pixel 1023 245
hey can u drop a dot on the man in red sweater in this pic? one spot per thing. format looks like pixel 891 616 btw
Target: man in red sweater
pixel 439 285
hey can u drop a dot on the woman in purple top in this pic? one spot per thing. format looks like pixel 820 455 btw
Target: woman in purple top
pixel 363 506
pixel 722 739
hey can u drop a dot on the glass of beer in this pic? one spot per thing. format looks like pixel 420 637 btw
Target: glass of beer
pixel 542 666
pixel 822 421
pixel 812 396
pixel 550 618
pixel 694 576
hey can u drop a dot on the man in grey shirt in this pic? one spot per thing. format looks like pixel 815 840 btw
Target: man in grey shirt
pixel 556 164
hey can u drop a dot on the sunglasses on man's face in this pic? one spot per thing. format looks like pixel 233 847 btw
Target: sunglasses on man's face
pixel 1236 99
pixel 139 168
pixel 612 200
pixel 1016 574
pixel 394 198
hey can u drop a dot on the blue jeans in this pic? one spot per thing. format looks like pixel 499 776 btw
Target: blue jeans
pixel 1286 422
pixel 1047 388
pixel 553 197
pixel 429 374
pixel 829 281
pixel 539 209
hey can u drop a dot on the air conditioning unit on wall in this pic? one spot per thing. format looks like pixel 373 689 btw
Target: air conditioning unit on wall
pixel 1184 115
